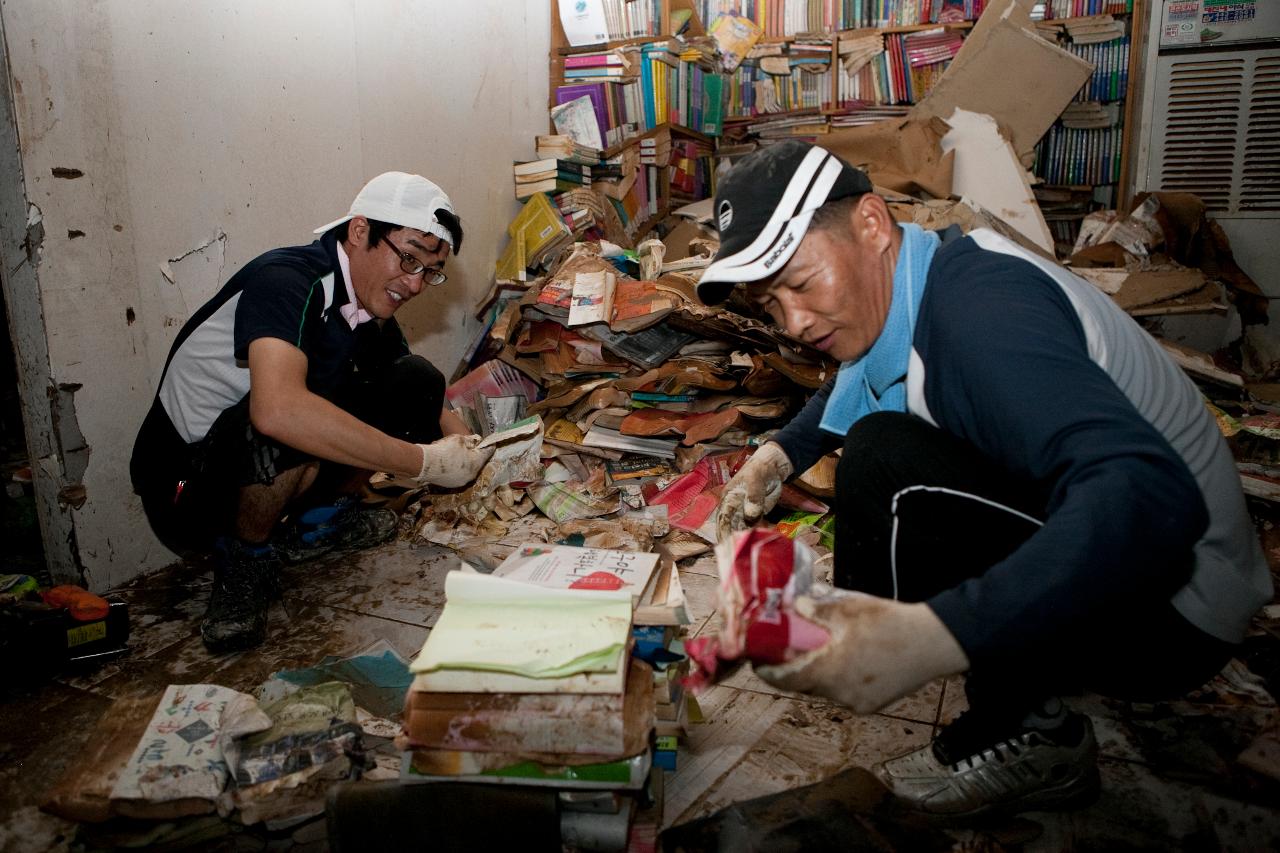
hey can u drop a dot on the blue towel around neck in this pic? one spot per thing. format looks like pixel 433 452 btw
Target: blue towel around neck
pixel 877 382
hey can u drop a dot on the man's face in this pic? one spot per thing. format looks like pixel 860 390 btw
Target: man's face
pixel 834 293
pixel 377 274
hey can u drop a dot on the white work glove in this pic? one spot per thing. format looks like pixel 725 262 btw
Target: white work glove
pixel 753 491
pixel 452 461
pixel 880 650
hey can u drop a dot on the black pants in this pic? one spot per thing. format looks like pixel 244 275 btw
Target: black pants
pixel 191 492
pixel 919 511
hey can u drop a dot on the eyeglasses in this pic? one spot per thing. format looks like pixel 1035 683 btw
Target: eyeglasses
pixel 413 266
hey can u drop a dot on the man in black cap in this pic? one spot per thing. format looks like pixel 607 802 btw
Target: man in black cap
pixel 1030 491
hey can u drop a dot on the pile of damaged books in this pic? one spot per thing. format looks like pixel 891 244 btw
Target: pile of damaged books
pixel 528 678
pixel 647 402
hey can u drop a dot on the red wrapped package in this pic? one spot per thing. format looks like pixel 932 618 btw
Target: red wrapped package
pixel 761 573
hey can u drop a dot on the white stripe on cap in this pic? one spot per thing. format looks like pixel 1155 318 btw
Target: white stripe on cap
pixel 781 235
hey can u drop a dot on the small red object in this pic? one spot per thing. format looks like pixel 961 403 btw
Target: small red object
pixel 83 605
pixel 598 580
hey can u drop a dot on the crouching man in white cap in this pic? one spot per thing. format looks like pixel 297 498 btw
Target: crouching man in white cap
pixel 289 382
pixel 1030 491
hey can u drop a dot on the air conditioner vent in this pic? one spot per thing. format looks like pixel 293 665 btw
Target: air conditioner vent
pixel 1217 130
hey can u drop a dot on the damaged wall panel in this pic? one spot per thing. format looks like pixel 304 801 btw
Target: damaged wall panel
pixel 21 242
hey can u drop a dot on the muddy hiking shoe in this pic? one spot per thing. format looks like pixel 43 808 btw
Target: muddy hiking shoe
pixel 244 583
pixel 1049 762
pixel 338 528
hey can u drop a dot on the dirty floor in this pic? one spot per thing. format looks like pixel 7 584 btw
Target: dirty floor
pixel 1171 778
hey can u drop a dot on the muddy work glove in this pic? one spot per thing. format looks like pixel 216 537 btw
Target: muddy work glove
pixel 753 491
pixel 452 461
pixel 880 650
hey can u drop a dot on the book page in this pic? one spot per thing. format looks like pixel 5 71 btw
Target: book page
pixel 577 119
pixel 570 567
pixel 501 625
pixel 592 298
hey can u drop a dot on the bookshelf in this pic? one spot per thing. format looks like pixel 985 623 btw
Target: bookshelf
pixel 821 65
pixel 655 21
pixel 1084 159
pixel 809 87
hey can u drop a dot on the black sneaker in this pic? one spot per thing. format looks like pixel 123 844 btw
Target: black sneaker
pixel 1049 761
pixel 244 583
pixel 341 527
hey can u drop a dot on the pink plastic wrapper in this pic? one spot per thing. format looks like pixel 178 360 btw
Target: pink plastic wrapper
pixel 761 573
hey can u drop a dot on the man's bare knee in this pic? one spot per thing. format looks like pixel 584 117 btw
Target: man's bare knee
pixel 263 504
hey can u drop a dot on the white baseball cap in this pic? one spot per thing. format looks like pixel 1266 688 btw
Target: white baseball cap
pixel 410 201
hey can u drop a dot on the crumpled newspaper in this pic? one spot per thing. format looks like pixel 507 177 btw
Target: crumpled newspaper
pixel 761 573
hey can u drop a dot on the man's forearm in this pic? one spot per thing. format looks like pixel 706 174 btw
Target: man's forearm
pixel 452 424
pixel 315 426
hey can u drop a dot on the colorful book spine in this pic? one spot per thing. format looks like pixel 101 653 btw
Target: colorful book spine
pixel 1109 81
pixel 1069 156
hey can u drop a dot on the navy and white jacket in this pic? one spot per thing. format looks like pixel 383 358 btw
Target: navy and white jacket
pixel 1039 370
pixel 294 294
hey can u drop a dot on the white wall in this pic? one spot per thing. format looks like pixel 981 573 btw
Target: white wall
pixel 239 127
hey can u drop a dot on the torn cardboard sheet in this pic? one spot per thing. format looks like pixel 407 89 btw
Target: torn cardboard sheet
pixel 1147 287
pixel 1193 239
pixel 1209 298
pixel 936 214
pixel 988 172
pixel 904 156
pixel 1200 365
pixel 1008 72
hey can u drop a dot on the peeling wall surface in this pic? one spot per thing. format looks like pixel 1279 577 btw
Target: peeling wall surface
pixel 167 144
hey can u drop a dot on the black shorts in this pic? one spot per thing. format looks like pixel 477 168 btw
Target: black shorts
pixel 191 491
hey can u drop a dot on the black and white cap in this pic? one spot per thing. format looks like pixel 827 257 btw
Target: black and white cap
pixel 763 207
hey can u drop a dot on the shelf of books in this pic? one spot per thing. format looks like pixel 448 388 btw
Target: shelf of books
pixel 808 66
pixel 641 108
pixel 1081 159
pixel 734 71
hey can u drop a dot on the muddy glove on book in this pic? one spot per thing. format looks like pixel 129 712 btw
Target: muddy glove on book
pixel 453 461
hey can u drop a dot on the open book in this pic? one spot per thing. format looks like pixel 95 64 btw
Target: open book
pixel 568 567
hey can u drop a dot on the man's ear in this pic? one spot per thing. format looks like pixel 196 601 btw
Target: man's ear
pixel 872 222
pixel 358 232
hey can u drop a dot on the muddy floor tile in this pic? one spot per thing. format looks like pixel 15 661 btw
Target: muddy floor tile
pixel 396 581
pixel 802 743
pixel 44 728
pixel 953 702
pixel 300 635
pixel 700 595
pixel 920 706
